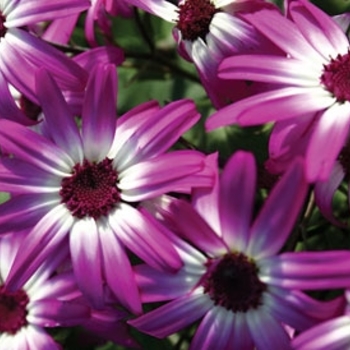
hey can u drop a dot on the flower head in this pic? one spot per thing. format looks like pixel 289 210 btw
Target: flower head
pixel 234 279
pixel 313 77
pixel 87 183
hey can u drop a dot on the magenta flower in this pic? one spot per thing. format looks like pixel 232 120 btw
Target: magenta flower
pixel 313 78
pixel 87 184
pixel 43 301
pixel 22 53
pixel 330 335
pixel 234 280
pixel 206 32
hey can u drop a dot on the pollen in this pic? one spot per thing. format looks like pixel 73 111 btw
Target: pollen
pixel 91 190
pixel 232 282
pixel 194 18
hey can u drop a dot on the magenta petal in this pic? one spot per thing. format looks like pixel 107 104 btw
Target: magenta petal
pixel 24 211
pixel 36 338
pixel 277 217
pixel 25 13
pixel 84 242
pixel 307 270
pixel 237 194
pixel 332 125
pixel 165 173
pixel 141 235
pixel 59 121
pixel 99 112
pixel 271 335
pixel 158 286
pixel 195 229
pixel 118 271
pixel 37 246
pixel 173 316
pixel 34 148
pixel 214 330
pixel 280 104
pixel 325 190
pixel 319 29
pixel 284 33
pixel 331 335
pixel 53 313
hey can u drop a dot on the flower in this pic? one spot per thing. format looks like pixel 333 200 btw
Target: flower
pixel 43 301
pixel 207 31
pixel 331 335
pixel 86 183
pixel 234 279
pixel 19 48
pixel 313 77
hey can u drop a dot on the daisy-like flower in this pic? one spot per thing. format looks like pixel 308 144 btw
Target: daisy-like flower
pixel 313 75
pixel 330 335
pixel 234 280
pixel 22 53
pixel 206 31
pixel 88 182
pixel 43 301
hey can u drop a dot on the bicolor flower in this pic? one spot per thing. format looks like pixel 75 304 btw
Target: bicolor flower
pixel 22 53
pixel 43 301
pixel 87 182
pixel 206 31
pixel 313 78
pixel 234 281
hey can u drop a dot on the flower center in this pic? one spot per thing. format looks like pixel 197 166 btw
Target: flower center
pixel 233 283
pixel 194 18
pixel 336 77
pixel 12 310
pixel 3 29
pixel 91 190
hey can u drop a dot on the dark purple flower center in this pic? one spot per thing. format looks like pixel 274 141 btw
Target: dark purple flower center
pixel 194 18
pixel 336 77
pixel 3 29
pixel 91 190
pixel 12 310
pixel 233 283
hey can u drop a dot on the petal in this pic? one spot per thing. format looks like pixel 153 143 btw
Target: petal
pixel 38 339
pixel 158 286
pixel 284 33
pixel 24 211
pixel 324 192
pixel 54 313
pixel 34 148
pixel 307 270
pixel 84 242
pixel 280 104
pixel 38 244
pixel 271 69
pixel 237 194
pixel 59 121
pixel 194 228
pixel 118 271
pixel 140 234
pixel 165 173
pixel 272 335
pixel 34 11
pixel 99 112
pixel 332 125
pixel 279 213
pixel 173 316
pixel 319 29
pixel 334 334
pixel 214 330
